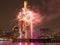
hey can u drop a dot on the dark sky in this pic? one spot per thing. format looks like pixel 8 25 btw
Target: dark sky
pixel 50 9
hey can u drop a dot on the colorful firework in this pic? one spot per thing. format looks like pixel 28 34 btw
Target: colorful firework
pixel 27 17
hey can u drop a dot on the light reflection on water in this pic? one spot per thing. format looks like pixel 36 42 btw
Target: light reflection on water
pixel 17 43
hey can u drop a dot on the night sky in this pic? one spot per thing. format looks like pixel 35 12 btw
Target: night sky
pixel 50 9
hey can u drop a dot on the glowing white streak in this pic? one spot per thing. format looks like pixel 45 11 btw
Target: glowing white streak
pixel 31 27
